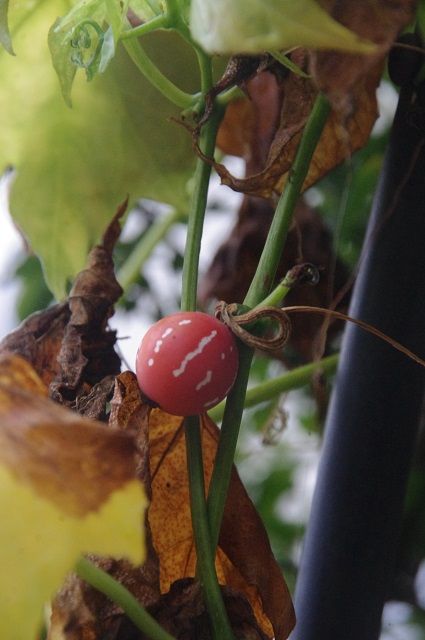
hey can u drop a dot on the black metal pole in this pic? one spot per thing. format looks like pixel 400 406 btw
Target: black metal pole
pixel 349 552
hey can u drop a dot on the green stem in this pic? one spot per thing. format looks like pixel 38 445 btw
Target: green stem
pixel 197 214
pixel 205 69
pixel 276 296
pixel 259 289
pixel 111 588
pixel 173 10
pixel 266 270
pixel 204 549
pixel 222 470
pixel 230 95
pixel 289 381
pixel 130 270
pixel 159 22
pixel 156 77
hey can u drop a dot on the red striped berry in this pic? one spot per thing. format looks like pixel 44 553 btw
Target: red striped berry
pixel 187 363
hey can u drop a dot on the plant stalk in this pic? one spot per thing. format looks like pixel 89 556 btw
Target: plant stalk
pixel 288 381
pixel 114 590
pixel 204 549
pixel 260 286
pixel 197 214
pixel 267 267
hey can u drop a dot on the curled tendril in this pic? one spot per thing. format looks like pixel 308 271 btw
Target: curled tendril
pixel 231 316
pixel 236 321
pixel 87 41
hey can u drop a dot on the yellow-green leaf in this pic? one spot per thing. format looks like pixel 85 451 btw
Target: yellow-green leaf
pixel 254 26
pixel 67 486
pixel 74 166
pixel 39 544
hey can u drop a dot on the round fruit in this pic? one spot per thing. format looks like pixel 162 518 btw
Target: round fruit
pixel 187 363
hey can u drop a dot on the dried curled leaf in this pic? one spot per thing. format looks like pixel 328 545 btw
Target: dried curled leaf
pixel 38 339
pixel 349 81
pixel 268 131
pixel 245 562
pixel 70 345
pixel 182 613
pixel 67 486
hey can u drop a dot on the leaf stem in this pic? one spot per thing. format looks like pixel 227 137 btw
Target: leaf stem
pixel 156 77
pixel 295 379
pixel 204 549
pixel 197 214
pixel 230 95
pixel 130 269
pixel 259 289
pixel 114 590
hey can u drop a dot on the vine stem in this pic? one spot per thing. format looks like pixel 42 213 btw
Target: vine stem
pixel 266 270
pixel 114 590
pixel 205 554
pixel 294 379
pixel 260 286
pixel 197 214
pixel 130 269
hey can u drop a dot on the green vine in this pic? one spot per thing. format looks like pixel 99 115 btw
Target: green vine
pixel 294 379
pixel 259 289
pixel 205 555
pixel 204 549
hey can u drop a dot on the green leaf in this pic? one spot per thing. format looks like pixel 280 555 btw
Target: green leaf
pixel 35 564
pixel 5 39
pixel 80 39
pixel 74 166
pixel 254 26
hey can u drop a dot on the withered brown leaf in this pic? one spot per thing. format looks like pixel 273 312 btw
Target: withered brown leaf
pixel 182 613
pixel 268 129
pixel 70 345
pixel 245 562
pixel 74 462
pixel 349 80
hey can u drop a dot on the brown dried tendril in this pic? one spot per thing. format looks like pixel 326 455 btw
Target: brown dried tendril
pixel 229 314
